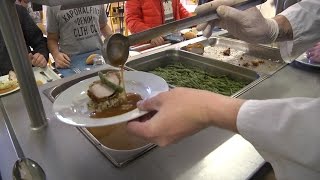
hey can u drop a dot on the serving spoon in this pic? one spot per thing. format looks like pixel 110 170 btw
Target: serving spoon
pixel 115 48
pixel 27 169
pixel 24 168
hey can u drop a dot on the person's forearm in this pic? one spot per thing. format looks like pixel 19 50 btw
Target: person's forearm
pixel 53 47
pixel 106 31
pixel 223 111
pixel 285 29
pixel 44 52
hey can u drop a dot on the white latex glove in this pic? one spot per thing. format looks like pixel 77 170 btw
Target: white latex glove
pixel 247 25
pixel 212 7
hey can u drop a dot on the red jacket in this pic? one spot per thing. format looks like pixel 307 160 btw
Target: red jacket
pixel 141 15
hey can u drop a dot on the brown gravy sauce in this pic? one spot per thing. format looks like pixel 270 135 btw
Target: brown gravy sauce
pixel 131 104
pixel 116 137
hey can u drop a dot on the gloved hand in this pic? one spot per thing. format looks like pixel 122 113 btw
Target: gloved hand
pixel 247 25
pixel 211 7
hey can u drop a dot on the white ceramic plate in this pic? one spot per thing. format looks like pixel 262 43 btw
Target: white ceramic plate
pixel 305 61
pixel 133 53
pixel 70 106
pixel 6 78
pixel 199 33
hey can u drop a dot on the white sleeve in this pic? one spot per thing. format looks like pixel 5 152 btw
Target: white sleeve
pixel 304 18
pixel 287 128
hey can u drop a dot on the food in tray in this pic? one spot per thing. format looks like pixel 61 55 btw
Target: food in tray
pixel 189 35
pixel 108 97
pixel 184 76
pixel 39 82
pixel 10 84
pixel 197 48
pixel 89 60
pixel 246 64
pixel 226 52
pixel 253 63
pixel 243 58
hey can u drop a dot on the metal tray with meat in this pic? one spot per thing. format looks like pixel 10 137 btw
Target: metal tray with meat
pixel 259 58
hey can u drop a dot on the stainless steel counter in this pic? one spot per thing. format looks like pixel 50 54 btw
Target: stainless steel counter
pixel 64 153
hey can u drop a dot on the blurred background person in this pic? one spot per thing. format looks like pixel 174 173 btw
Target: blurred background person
pixel 35 15
pixel 34 39
pixel 75 31
pixel 141 15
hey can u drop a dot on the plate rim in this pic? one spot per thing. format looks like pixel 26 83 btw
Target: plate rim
pixel 135 113
pixel 11 91
pixel 303 57
pixel 308 64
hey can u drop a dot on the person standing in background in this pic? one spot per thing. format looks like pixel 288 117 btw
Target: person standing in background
pixel 141 15
pixel 75 31
pixel 35 15
pixel 34 39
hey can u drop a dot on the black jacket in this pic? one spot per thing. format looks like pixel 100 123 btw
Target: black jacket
pixel 32 35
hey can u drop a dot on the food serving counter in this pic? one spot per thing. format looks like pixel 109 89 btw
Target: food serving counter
pixel 65 153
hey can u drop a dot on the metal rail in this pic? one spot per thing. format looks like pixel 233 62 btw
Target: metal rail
pixel 16 46
pixel 207 15
pixel 68 4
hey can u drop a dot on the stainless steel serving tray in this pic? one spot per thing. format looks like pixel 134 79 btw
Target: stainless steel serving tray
pixel 271 57
pixel 117 158
pixel 230 36
pixel 227 35
pixel 211 66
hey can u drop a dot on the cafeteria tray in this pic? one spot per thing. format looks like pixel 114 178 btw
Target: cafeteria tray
pixel 117 158
pixel 41 79
pixel 210 66
pixel 243 54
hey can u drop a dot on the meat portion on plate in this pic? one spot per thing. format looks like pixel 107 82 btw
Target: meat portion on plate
pixel 106 92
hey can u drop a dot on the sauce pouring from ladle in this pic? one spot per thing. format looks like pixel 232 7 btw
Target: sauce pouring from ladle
pixel 115 52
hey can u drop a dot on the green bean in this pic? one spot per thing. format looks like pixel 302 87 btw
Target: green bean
pixel 182 76
pixel 108 83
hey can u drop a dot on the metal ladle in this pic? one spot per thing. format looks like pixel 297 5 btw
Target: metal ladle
pixel 27 169
pixel 115 49
pixel 24 168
